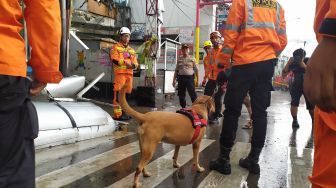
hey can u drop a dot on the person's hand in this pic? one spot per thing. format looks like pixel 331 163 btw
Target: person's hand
pixel 36 88
pixel 174 83
pixel 129 65
pixel 320 77
pixel 203 83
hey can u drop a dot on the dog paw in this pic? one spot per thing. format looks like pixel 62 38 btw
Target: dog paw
pixel 176 165
pixel 136 185
pixel 146 174
pixel 200 169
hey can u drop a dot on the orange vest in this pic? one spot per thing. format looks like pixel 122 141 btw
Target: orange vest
pixel 123 54
pixel 44 33
pixel 255 31
pixel 211 62
pixel 324 169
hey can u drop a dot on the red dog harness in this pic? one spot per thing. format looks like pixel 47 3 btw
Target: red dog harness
pixel 196 119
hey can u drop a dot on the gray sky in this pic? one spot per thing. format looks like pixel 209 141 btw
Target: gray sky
pixel 300 20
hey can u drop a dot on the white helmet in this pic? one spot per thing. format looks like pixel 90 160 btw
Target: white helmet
pixel 124 30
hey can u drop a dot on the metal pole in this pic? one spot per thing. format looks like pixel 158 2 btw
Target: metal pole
pixel 81 93
pixel 165 56
pixel 197 33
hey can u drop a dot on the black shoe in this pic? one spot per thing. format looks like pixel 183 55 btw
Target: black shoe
pixel 295 124
pixel 220 165
pixel 213 120
pixel 250 165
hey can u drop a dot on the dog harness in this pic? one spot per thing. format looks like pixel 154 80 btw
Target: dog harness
pixel 196 119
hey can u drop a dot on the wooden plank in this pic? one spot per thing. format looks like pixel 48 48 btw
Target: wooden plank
pixel 100 9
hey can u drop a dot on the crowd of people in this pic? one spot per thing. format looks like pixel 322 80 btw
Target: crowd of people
pixel 242 67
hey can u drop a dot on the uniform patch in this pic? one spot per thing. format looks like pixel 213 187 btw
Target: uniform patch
pixel 265 4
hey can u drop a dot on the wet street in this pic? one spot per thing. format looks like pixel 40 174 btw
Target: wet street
pixel 110 161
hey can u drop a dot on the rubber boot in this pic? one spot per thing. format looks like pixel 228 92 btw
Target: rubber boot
pixel 222 163
pixel 251 161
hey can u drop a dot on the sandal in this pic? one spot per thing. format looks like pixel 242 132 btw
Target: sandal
pixel 248 125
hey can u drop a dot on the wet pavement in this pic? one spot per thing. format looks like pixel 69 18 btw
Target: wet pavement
pixel 110 161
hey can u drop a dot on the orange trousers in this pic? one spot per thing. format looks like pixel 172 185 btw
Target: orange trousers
pixel 121 79
pixel 324 168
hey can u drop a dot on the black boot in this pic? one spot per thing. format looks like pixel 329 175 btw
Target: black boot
pixel 222 164
pixel 251 161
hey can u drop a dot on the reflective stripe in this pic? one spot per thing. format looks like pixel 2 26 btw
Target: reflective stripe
pixel 121 62
pixel 252 24
pixel 258 25
pixel 120 67
pixel 277 22
pixel 250 11
pixel 227 51
pixel 232 27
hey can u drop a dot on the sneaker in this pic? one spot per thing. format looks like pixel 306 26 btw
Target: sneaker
pixel 295 124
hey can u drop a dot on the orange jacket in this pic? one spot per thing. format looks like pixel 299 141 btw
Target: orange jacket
pixel 121 55
pixel 324 172
pixel 44 33
pixel 255 31
pixel 211 62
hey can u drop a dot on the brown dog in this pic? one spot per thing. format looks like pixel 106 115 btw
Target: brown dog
pixel 169 127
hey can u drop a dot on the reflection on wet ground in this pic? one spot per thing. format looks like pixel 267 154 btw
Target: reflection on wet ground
pixel 110 161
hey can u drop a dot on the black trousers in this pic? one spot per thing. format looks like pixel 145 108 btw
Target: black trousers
pixel 257 79
pixel 186 83
pixel 209 90
pixel 297 91
pixel 18 128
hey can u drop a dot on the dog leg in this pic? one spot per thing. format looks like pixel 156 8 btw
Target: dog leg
pixel 144 171
pixel 196 147
pixel 147 151
pixel 175 163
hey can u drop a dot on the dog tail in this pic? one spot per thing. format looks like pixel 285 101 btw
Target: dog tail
pixel 129 110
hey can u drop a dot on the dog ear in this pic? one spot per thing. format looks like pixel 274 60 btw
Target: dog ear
pixel 210 105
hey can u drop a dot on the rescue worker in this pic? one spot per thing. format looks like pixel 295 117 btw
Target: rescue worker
pixel 185 72
pixel 319 86
pixel 124 61
pixel 207 67
pixel 18 117
pixel 255 34
pixel 213 84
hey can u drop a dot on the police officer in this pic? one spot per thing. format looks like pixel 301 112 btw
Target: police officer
pixel 185 72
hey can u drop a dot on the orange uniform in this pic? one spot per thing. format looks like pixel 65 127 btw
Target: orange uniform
pixel 121 55
pixel 40 20
pixel 324 169
pixel 207 67
pixel 254 36
pixel 211 62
